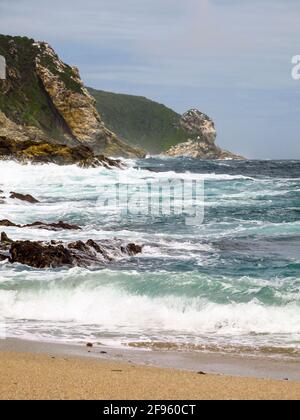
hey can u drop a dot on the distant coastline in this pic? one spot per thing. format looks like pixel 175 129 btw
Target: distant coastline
pixel 44 103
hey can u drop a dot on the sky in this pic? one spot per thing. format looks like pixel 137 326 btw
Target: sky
pixel 231 59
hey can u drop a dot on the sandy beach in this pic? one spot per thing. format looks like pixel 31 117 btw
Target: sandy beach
pixel 32 376
pixel 54 375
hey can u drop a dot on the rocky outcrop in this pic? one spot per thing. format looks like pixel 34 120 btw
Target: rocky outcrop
pixel 77 106
pixel 202 135
pixel 44 100
pixel 199 126
pixel 15 196
pixel 58 255
pixel 24 197
pixel 74 105
pixel 45 152
pixel 42 225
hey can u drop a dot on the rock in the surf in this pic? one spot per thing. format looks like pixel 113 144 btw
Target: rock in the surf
pixel 57 254
pixel 24 197
pixel 42 225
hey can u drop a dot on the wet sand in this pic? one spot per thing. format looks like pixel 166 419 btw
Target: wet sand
pixel 31 370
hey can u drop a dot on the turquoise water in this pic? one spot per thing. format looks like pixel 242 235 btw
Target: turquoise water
pixel 231 283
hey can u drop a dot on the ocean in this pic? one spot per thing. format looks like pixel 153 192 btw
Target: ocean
pixel 228 283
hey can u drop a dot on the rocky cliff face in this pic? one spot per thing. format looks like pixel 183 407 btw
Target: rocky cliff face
pixel 201 133
pixel 44 99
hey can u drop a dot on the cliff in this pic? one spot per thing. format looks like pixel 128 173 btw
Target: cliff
pixel 140 121
pixel 44 100
pixel 158 129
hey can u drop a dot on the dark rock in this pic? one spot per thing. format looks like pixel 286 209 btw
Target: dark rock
pixel 38 255
pixel 79 246
pixel 5 239
pixel 24 197
pixel 55 226
pixel 92 244
pixel 5 243
pixel 42 225
pixel 100 160
pixel 132 249
pixel 8 223
pixel 89 345
pixel 56 254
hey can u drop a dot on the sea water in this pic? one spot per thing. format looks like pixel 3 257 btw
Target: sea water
pixel 230 284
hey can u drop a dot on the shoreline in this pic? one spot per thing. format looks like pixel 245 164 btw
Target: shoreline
pixel 258 367
pixel 38 371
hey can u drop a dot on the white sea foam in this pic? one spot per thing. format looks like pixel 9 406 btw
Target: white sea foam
pixel 116 311
pixel 75 304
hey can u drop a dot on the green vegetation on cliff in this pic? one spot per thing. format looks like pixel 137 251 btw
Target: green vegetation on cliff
pixel 140 121
pixel 22 97
pixel 44 99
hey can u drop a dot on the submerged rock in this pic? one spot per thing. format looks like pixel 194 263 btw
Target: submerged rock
pixel 57 255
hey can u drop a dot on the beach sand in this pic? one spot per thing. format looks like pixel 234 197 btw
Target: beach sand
pixel 42 376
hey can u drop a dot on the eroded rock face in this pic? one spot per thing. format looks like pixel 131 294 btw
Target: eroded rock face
pixel 44 100
pixel 58 255
pixel 199 126
pixel 76 106
pixel 13 132
pixel 202 136
pixel 201 150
